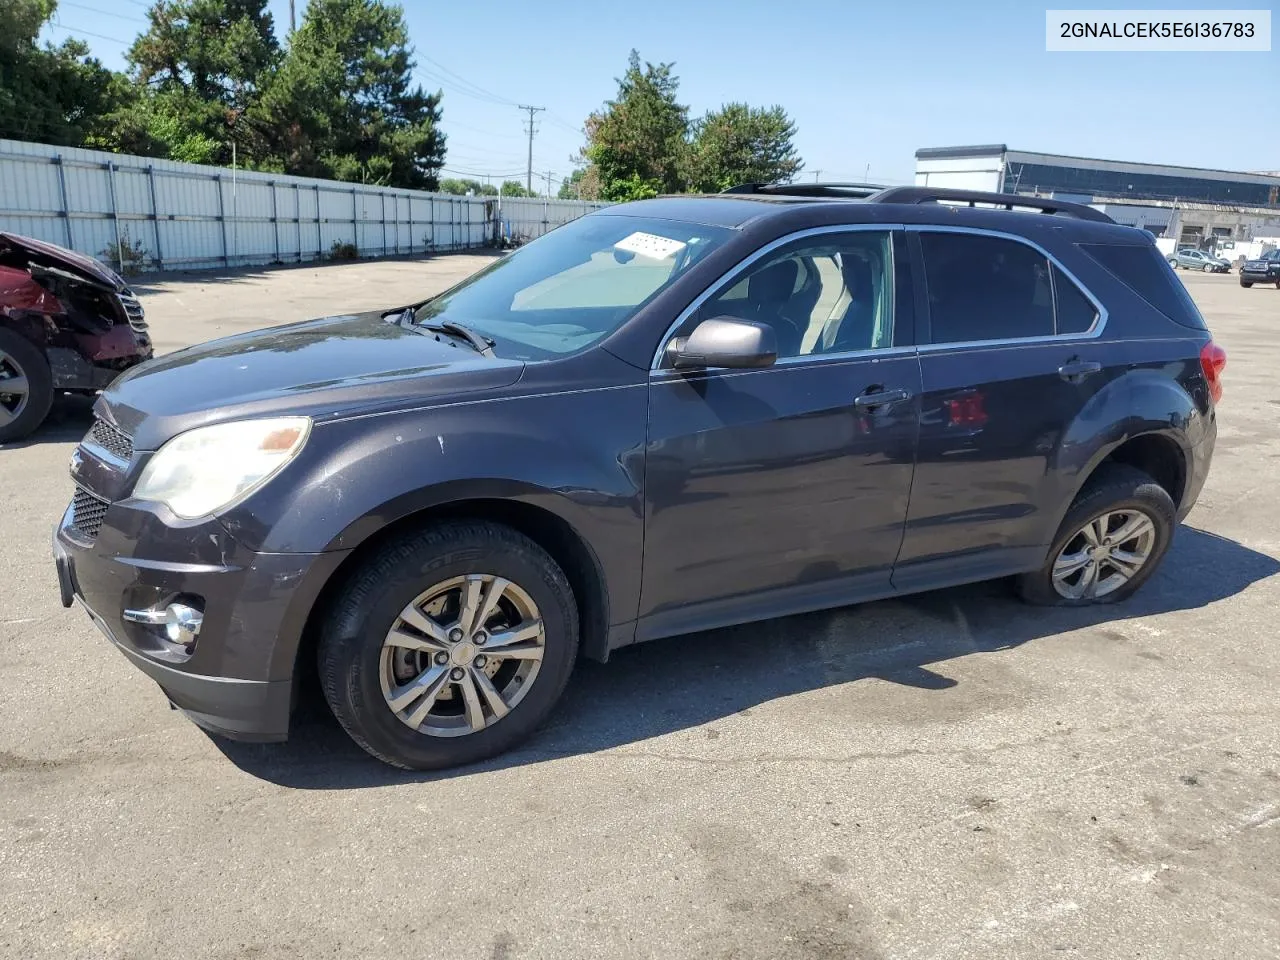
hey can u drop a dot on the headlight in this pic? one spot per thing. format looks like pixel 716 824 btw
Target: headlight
pixel 210 468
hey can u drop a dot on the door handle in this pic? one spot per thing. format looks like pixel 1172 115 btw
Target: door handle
pixel 881 398
pixel 1074 371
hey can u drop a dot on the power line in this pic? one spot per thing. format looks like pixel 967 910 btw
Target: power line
pixel 474 173
pixel 88 33
pixel 463 80
pixel 105 13
pixel 564 124
pixel 486 133
pixel 435 79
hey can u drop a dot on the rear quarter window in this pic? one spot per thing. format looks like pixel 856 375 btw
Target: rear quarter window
pixel 1143 270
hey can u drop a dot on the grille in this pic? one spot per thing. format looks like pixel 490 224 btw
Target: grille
pixel 110 439
pixel 137 317
pixel 87 512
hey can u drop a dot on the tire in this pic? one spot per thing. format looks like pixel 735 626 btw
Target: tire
pixel 1174 264
pixel 359 679
pixel 21 414
pixel 1119 491
pixel 1207 268
pixel 1249 283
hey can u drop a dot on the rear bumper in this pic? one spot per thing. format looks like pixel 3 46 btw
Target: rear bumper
pixel 238 680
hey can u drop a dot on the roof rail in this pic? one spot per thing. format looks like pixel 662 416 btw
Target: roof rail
pixel 848 191
pixel 1009 201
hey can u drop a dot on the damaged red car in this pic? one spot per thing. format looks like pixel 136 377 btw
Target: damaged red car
pixel 68 324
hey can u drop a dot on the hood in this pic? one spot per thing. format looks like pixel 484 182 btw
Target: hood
pixel 328 368
pixel 49 254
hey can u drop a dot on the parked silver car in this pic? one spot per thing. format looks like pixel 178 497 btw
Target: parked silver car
pixel 1191 259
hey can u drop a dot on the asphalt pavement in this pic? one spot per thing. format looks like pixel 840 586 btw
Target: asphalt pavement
pixel 952 775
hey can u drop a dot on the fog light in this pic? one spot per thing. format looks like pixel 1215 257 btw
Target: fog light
pixel 182 623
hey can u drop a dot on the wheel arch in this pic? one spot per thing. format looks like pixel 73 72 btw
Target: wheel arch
pixel 501 503
pixel 1144 419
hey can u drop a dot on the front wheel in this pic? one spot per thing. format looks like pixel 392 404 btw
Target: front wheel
pixel 1174 264
pixel 1207 268
pixel 1249 283
pixel 449 645
pixel 26 387
pixel 1111 542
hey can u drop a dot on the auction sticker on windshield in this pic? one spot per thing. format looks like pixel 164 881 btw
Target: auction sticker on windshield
pixel 650 245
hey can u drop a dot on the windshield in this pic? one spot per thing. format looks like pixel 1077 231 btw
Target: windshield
pixel 573 286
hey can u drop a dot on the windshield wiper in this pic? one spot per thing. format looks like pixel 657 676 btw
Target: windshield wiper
pixel 483 345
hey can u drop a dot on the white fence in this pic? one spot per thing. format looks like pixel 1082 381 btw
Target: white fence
pixel 164 215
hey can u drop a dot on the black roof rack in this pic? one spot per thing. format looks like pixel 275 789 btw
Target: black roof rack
pixel 1009 201
pixel 847 191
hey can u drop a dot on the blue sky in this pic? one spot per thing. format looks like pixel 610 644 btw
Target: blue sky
pixel 866 83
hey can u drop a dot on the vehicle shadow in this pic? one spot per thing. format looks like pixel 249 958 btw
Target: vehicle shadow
pixel 68 421
pixel 668 685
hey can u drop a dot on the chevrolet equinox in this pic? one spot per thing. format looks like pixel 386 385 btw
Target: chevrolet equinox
pixel 664 417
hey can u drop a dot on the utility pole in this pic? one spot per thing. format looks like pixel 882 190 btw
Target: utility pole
pixel 528 180
pixel 816 175
pixel 548 176
pixel 293 23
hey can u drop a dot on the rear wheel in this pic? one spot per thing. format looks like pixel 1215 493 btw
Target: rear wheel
pixel 26 387
pixel 449 646
pixel 1111 542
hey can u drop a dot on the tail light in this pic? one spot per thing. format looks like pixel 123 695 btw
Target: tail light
pixel 1212 359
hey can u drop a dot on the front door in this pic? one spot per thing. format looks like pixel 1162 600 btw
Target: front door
pixel 1009 361
pixel 781 489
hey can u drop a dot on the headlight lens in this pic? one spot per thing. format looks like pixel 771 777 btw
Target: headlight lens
pixel 210 468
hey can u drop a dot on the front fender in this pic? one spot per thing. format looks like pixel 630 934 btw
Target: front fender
pixel 580 457
pixel 1141 402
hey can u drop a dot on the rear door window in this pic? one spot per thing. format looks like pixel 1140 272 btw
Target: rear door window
pixel 1075 312
pixel 985 288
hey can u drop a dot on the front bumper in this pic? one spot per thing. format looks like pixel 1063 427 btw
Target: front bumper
pixel 238 680
pixel 1251 276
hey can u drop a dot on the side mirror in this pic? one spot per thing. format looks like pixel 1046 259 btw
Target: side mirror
pixel 725 342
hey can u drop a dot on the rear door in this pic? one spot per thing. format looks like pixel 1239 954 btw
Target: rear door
pixel 785 488
pixel 1010 356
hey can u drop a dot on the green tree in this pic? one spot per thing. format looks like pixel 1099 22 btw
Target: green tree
pixel 463 187
pixel 343 103
pixel 514 188
pixel 638 143
pixel 571 188
pixel 202 64
pixel 53 94
pixel 741 144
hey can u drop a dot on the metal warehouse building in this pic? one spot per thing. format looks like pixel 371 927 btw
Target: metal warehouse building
pixel 1197 207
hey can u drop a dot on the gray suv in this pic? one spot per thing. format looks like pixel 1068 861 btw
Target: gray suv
pixel 661 418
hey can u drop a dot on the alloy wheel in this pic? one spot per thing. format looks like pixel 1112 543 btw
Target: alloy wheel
pixel 1104 555
pixel 461 655
pixel 15 389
